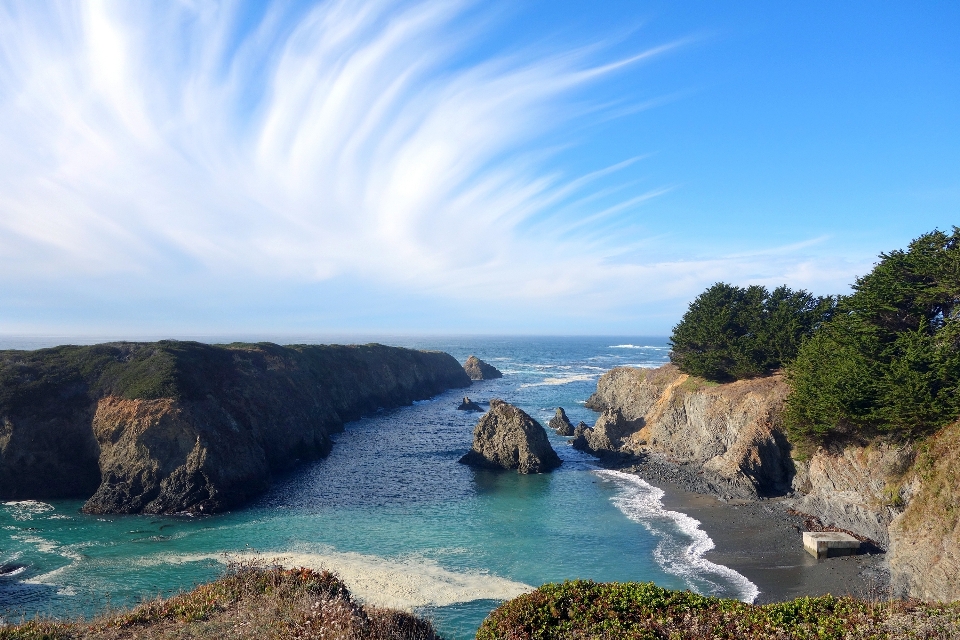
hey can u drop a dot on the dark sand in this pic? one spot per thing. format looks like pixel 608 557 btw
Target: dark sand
pixel 760 540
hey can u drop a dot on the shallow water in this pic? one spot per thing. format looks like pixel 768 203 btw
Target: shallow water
pixel 395 514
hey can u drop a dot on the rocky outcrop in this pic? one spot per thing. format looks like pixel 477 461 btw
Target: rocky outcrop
pixel 925 539
pixel 184 427
pixel 732 430
pixel 507 438
pixel 477 369
pixel 469 405
pixel 859 488
pixel 561 423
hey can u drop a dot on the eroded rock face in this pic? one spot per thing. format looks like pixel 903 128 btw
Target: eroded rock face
pixel 924 550
pixel 857 488
pixel 507 438
pixel 477 369
pixel 733 430
pixel 561 423
pixel 173 427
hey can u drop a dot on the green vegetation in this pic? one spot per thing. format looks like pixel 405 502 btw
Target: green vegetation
pixel 251 601
pixel 730 333
pixel 643 611
pixel 888 362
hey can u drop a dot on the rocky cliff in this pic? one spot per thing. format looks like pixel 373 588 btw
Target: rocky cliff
pixel 732 430
pixel 179 426
pixel 903 496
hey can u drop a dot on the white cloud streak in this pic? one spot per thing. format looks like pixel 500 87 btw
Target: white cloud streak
pixel 354 138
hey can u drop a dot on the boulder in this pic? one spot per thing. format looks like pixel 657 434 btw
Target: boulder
pixel 561 424
pixel 477 369
pixel 507 438
pixel 469 405
pixel 606 436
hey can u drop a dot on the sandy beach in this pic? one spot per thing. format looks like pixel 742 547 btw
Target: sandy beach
pixel 762 541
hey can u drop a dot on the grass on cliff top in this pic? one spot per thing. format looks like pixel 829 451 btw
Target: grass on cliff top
pixel 251 601
pixel 584 609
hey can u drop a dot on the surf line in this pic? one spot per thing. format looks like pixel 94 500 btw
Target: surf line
pixel 642 503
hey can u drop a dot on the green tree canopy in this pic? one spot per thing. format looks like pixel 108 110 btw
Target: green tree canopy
pixel 889 359
pixel 730 333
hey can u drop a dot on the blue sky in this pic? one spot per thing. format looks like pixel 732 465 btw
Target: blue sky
pixel 190 168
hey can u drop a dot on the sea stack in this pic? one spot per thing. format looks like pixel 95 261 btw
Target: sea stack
pixel 507 438
pixel 477 369
pixel 561 424
pixel 469 405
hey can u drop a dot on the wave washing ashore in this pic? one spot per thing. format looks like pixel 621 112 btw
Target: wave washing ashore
pixel 392 511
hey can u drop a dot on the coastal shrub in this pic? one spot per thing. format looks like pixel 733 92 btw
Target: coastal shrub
pixel 888 361
pixel 252 601
pixel 642 611
pixel 730 333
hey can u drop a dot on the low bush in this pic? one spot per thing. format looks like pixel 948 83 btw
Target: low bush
pixel 642 611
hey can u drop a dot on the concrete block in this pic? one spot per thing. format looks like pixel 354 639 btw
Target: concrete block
pixel 823 544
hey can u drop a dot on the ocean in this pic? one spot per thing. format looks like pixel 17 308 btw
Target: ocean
pixel 393 512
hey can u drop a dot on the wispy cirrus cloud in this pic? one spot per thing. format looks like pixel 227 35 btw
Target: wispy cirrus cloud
pixel 168 143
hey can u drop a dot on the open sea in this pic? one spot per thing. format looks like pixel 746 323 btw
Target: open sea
pixel 392 511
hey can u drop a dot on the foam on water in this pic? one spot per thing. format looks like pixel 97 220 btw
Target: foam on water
pixel 555 381
pixel 682 543
pixel 405 583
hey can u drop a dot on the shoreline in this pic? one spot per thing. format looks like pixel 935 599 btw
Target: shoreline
pixel 760 540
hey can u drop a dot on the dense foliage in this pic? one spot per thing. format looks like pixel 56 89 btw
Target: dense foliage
pixel 643 611
pixel 730 333
pixel 889 359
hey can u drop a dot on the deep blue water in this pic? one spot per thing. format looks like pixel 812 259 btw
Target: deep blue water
pixel 393 511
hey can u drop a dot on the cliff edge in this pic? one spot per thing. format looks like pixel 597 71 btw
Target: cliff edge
pixel 171 426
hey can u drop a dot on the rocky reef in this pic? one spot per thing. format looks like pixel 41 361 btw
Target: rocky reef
pixel 172 427
pixel 903 496
pixel 561 423
pixel 477 369
pixel 469 405
pixel 507 438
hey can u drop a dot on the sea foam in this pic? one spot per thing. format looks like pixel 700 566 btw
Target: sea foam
pixel 682 542
pixel 406 583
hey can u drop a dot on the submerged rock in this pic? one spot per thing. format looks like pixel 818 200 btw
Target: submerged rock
pixel 561 424
pixel 469 405
pixel 507 438
pixel 477 369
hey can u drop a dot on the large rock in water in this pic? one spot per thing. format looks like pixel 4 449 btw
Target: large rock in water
pixel 171 426
pixel 561 423
pixel 477 369
pixel 507 438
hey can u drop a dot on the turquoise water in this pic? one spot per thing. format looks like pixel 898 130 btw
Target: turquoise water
pixel 392 508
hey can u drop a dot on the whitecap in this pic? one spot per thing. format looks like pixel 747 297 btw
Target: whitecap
pixel 404 583
pixel 634 346
pixel 580 377
pixel 642 503
pixel 26 509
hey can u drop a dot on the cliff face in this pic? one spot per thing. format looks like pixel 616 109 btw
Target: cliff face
pixel 733 430
pixel 172 426
pixel 905 497
pixel 925 539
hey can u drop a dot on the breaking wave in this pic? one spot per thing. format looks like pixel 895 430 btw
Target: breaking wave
pixel 682 542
